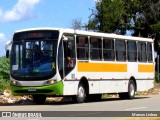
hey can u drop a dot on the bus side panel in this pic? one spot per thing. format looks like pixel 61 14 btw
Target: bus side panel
pixel 108 86
pixel 94 87
pixel 145 77
pixel 70 87
pixel 144 85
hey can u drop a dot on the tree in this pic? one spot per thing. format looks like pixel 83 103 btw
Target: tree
pixel 151 12
pixel 76 24
pixel 108 16
pixel 118 16
pixel 112 15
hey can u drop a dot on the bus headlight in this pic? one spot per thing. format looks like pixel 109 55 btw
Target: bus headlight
pixel 15 82
pixel 50 82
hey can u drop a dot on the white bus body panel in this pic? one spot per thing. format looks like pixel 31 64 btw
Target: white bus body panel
pixel 109 82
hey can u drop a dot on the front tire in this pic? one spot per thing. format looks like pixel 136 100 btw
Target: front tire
pixel 39 99
pixel 81 94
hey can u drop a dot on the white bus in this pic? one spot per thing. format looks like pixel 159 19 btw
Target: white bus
pixel 49 62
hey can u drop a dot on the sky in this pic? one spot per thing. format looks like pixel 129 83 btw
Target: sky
pixel 22 14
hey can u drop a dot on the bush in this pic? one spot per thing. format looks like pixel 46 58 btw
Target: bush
pixel 4 73
pixel 156 78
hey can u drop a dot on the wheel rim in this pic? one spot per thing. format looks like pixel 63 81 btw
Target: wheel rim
pixel 81 92
pixel 132 90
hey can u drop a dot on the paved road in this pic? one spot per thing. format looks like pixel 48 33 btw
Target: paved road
pixel 142 103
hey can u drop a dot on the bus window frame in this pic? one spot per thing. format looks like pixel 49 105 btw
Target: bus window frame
pixel 112 50
pixel 99 48
pixel 87 39
pixel 124 58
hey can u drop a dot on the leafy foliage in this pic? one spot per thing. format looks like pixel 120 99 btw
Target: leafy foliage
pixel 122 15
pixel 140 17
pixel 107 16
pixel 4 73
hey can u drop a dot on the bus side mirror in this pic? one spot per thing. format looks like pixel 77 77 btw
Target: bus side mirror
pixel 65 38
pixel 9 43
pixel 7 53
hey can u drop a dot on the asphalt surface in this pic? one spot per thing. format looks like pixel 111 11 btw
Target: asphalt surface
pixel 110 108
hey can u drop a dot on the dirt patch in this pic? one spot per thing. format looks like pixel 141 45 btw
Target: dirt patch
pixel 7 98
pixel 152 91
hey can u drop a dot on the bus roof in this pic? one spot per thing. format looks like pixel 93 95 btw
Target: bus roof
pixel 89 33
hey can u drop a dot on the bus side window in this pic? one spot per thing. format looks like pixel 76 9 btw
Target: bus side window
pixel 149 52
pixel 108 49
pixel 132 51
pixel 82 47
pixel 96 48
pixel 120 46
pixel 142 54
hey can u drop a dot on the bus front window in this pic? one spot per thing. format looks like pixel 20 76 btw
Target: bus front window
pixel 34 58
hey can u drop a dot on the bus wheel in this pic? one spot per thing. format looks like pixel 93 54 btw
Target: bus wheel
pixel 39 99
pixel 81 94
pixel 131 91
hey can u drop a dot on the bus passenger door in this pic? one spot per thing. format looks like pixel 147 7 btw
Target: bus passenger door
pixel 69 54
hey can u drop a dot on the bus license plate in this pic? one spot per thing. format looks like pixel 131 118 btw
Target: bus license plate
pixel 32 89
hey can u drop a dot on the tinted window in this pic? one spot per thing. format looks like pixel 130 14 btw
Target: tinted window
pixel 149 52
pixel 120 47
pixel 132 50
pixel 82 47
pixel 108 49
pixel 95 48
pixel 142 56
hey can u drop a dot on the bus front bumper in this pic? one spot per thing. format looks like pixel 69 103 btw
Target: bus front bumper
pixel 48 90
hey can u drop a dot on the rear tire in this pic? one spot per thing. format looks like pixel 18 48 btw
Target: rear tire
pixel 39 99
pixel 81 94
pixel 131 91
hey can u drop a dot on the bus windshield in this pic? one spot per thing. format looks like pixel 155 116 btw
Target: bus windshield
pixel 33 59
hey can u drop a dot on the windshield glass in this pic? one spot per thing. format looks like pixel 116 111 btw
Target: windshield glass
pixel 33 58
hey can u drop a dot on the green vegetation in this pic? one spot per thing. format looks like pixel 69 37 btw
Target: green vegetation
pixel 4 73
pixel 138 17
pixel 120 15
pixel 156 78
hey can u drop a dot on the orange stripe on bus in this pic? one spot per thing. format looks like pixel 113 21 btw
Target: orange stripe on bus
pixel 145 68
pixel 101 67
